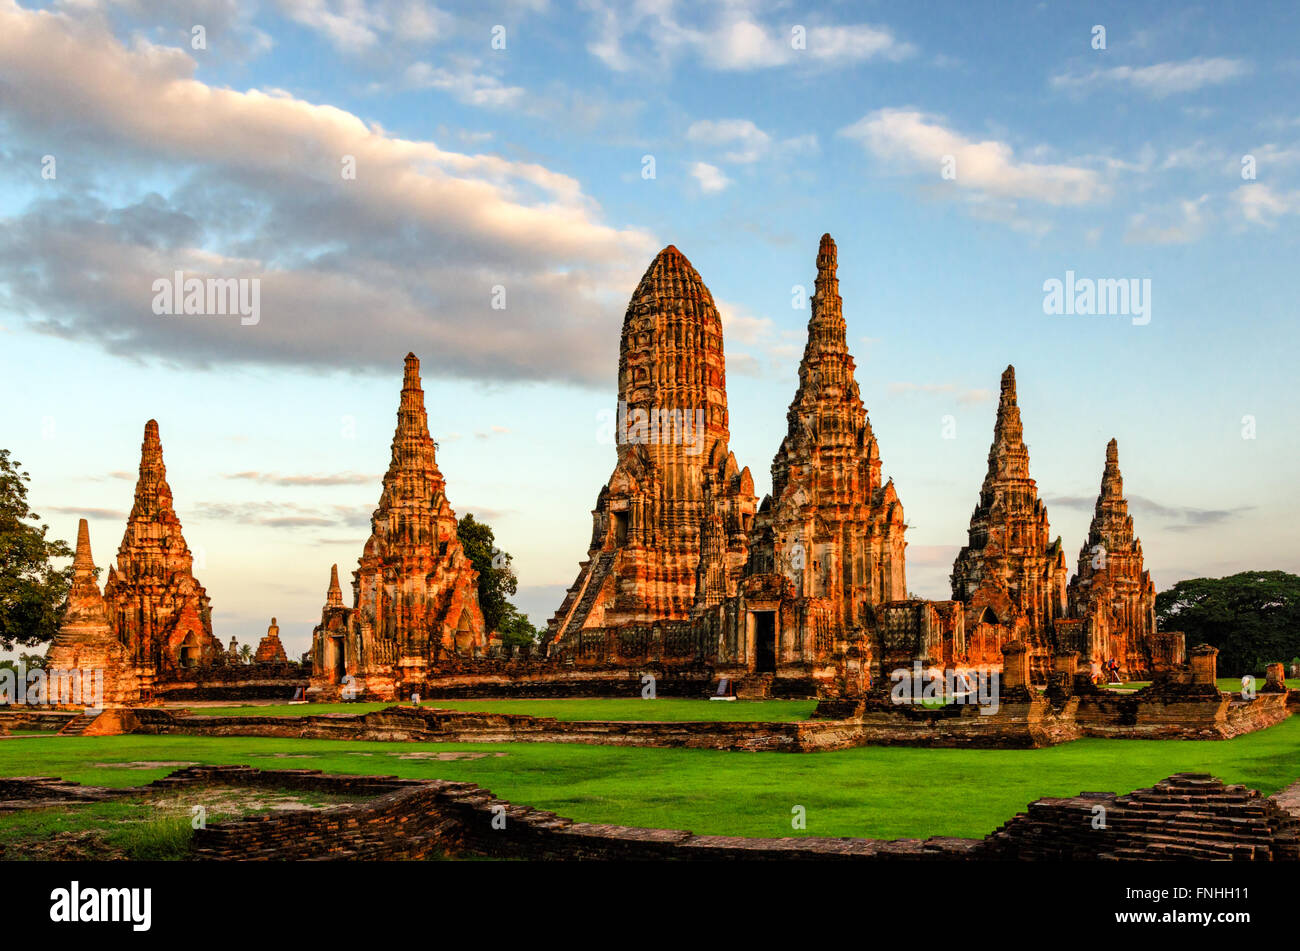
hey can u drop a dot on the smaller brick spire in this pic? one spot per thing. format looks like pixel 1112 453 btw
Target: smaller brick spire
pixel 1112 483
pixel 1112 526
pixel 83 564
pixel 334 599
pixel 1008 457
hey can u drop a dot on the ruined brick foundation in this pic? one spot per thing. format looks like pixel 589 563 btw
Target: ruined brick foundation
pixel 1187 816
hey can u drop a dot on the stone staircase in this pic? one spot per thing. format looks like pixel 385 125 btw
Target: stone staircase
pixel 591 591
pixel 77 725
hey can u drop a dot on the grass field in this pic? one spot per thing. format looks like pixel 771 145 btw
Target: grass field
pixel 633 708
pixel 151 827
pixel 875 792
pixel 1230 684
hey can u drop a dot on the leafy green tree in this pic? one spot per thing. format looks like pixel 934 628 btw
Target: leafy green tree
pixel 496 578
pixel 246 654
pixel 32 591
pixel 1253 618
pixel 517 630
pixel 29 662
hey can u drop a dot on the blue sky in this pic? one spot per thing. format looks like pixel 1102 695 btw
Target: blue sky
pixel 524 167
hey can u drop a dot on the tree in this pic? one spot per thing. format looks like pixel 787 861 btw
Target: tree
pixel 1253 618
pixel 28 662
pixel 496 579
pixel 32 591
pixel 518 631
pixel 246 654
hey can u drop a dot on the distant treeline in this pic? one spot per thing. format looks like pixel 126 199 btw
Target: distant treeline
pixel 1253 618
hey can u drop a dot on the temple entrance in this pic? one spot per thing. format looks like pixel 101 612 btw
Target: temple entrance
pixel 189 653
pixel 620 528
pixel 764 642
pixel 464 636
pixel 337 661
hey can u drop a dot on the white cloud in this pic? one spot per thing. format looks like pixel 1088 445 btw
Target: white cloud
pixel 1159 80
pixel 1273 155
pixel 857 43
pixel 917 142
pixel 745 141
pixel 1260 205
pixel 227 24
pixel 1183 224
pixel 740 327
pixel 356 26
pixel 464 84
pixel 355 272
pixel 749 143
pixel 709 177
pixel 735 38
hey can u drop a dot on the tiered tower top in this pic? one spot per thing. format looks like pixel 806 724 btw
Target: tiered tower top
pixel 1008 456
pixel 670 354
pixel 413 483
pixel 153 525
pixel 1112 525
pixel 827 407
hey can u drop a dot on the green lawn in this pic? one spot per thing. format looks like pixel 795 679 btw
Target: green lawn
pixel 1230 684
pixel 882 792
pixel 152 827
pixel 665 708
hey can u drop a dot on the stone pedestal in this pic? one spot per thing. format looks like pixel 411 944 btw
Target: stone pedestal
pixel 1169 651
pixel 1205 665
pixel 1067 663
pixel 1275 679
pixel 1015 664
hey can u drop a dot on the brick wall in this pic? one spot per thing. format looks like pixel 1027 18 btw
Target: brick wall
pixel 1187 816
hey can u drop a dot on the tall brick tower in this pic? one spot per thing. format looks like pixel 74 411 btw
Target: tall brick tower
pixel 669 527
pixel 86 643
pixel 415 591
pixel 1011 575
pixel 157 607
pixel 827 547
pixel 1113 594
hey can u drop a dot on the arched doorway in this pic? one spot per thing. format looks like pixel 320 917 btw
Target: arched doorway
pixel 189 652
pixel 336 658
pixel 464 635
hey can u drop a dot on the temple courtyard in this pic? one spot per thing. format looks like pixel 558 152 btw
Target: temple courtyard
pixel 871 792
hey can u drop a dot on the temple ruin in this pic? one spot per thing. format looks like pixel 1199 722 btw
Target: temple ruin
pixel 826 550
pixel 157 607
pixel 415 591
pixel 154 610
pixel 1011 575
pixel 269 649
pixel 1112 600
pixel 670 528
pixel 86 643
pixel 686 577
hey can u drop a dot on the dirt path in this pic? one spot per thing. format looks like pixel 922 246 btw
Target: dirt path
pixel 1289 799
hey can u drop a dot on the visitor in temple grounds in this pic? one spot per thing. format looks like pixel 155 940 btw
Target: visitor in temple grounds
pixel 415 698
